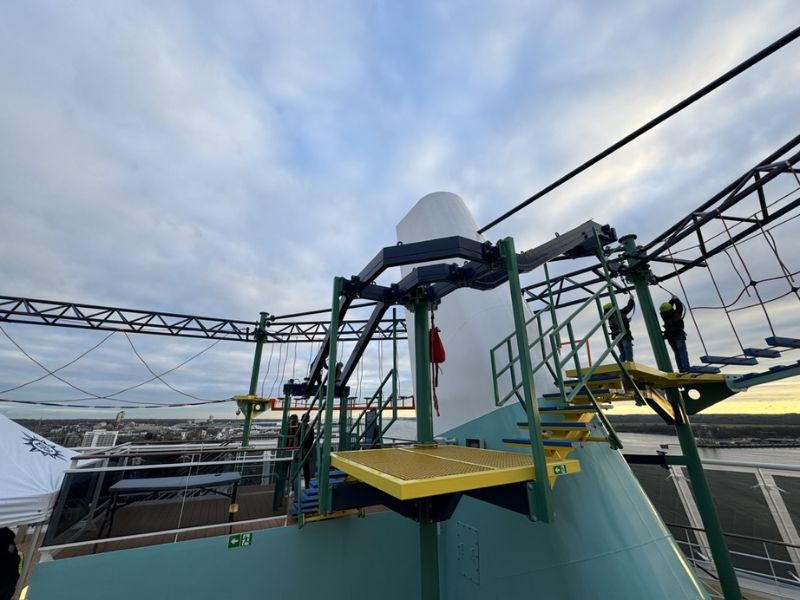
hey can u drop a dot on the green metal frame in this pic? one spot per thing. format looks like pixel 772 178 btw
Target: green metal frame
pixel 428 533
pixel 640 275
pixel 355 429
pixel 540 501
pixel 247 407
pixel 549 343
pixel 323 476
pixel 282 469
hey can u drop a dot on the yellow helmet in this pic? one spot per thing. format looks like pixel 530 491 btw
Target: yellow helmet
pixel 665 306
pixel 607 306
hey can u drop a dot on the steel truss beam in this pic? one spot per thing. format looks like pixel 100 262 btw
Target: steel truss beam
pixel 574 287
pixel 106 318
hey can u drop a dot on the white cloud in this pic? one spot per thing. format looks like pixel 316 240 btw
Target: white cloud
pixel 232 159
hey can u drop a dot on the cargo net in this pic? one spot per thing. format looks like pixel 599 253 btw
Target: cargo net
pixel 749 275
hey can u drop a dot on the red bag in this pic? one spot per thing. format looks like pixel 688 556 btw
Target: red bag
pixel 438 356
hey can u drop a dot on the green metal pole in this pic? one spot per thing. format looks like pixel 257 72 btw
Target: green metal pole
pixel 422 363
pixel 344 425
pixel 539 490
pixel 640 276
pixel 325 459
pixel 428 534
pixel 247 407
pixel 428 553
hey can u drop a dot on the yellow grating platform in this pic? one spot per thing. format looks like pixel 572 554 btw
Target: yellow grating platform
pixel 645 374
pixel 419 472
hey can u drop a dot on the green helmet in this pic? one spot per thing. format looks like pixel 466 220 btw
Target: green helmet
pixel 665 306
pixel 607 306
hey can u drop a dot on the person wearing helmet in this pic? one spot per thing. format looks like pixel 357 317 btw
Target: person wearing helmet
pixel 625 344
pixel 672 314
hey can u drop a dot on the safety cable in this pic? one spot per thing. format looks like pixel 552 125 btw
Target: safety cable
pixel 773 245
pixel 162 380
pixel 44 368
pixel 64 366
pixel 722 301
pixel 278 371
pixel 777 45
pixel 752 283
pixel 266 371
pixel 61 404
pixel 732 304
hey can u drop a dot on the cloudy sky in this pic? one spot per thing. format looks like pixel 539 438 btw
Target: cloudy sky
pixel 222 159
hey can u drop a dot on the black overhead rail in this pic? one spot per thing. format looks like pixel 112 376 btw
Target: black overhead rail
pixel 483 270
pixel 705 90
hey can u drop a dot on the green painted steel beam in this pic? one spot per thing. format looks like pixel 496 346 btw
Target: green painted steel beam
pixel 325 459
pixel 422 364
pixel 539 494
pixel 744 382
pixel 428 554
pixel 640 275
pixel 247 407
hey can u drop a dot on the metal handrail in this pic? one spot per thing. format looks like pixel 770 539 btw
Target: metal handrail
pixel 777 579
pixel 736 535
pixel 246 461
pixel 391 374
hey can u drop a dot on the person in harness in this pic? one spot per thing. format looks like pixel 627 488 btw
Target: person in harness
pixel 672 314
pixel 625 345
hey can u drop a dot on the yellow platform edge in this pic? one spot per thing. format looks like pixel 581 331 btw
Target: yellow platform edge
pixel 435 486
pixel 645 373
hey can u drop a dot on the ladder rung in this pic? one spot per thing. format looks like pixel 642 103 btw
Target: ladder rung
pixel 595 379
pixel 786 342
pixel 574 408
pixel 562 425
pixel 556 395
pixel 527 442
pixel 704 369
pixel 762 353
pixel 728 360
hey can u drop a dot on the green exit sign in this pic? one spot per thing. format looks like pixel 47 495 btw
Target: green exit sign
pixel 559 469
pixel 238 540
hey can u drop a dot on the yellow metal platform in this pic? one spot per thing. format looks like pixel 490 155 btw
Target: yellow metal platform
pixel 419 472
pixel 644 374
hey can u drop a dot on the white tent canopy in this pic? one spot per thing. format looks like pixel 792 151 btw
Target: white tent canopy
pixel 31 471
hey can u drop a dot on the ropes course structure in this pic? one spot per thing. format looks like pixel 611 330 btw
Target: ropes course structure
pixel 732 256
pixel 691 243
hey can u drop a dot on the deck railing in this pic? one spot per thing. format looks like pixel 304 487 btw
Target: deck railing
pixel 172 494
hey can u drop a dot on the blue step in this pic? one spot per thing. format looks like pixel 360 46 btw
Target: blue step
pixel 703 369
pixel 762 353
pixel 576 408
pixel 728 360
pixel 783 341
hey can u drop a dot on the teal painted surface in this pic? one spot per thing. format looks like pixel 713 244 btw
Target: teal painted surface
pixel 375 557
pixel 607 540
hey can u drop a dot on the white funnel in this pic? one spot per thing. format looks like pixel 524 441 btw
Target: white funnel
pixel 471 321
